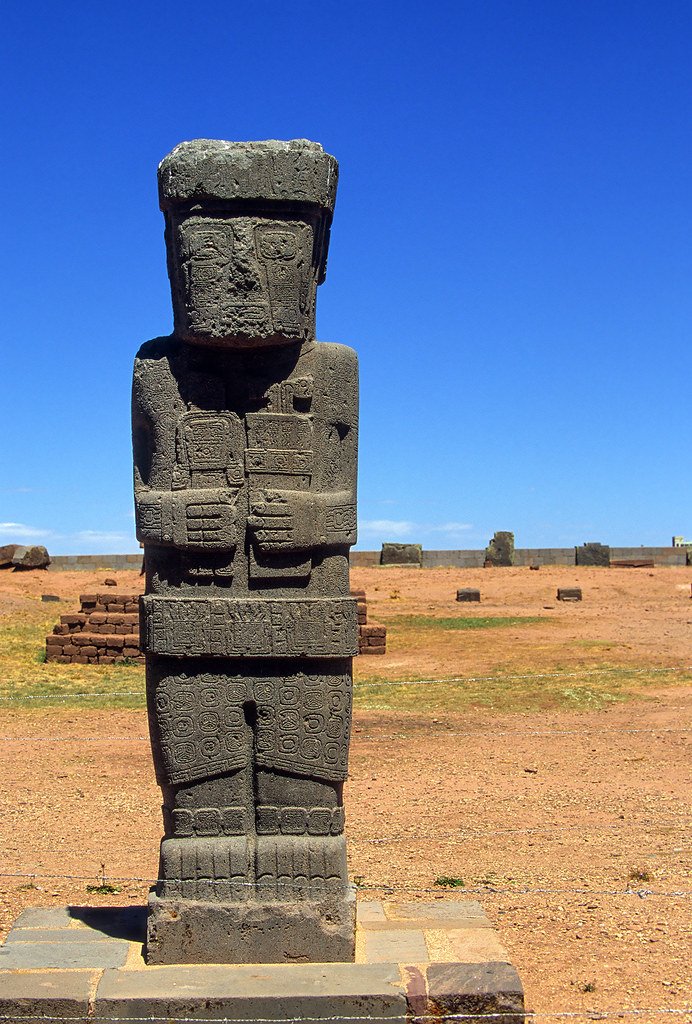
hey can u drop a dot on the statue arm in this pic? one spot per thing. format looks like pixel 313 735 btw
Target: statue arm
pixel 300 521
pixel 303 521
pixel 191 518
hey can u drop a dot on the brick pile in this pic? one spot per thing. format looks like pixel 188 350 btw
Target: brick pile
pixel 105 631
pixel 372 638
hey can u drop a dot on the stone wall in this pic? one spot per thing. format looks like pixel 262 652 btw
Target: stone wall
pixel 105 631
pixel 473 558
pixel 461 558
pixel 372 637
pixel 659 556
pixel 92 563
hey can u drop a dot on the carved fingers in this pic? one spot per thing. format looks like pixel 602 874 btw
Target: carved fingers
pixel 271 520
pixel 210 524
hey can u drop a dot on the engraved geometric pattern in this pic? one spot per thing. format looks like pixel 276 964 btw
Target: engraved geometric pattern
pixel 303 724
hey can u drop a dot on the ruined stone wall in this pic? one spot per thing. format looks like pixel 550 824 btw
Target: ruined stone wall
pixel 105 631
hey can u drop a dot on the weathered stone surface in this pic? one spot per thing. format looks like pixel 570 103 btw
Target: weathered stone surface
pixel 33 557
pixel 468 594
pixel 39 994
pixel 401 554
pixel 43 917
pixel 593 553
pixel 245 438
pixel 500 550
pixel 569 593
pixel 308 931
pixel 87 954
pixel 469 988
pixel 275 991
pixel 7 552
pixel 439 911
pixel 396 945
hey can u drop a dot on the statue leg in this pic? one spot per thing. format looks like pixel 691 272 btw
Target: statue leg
pixel 301 850
pixel 207 850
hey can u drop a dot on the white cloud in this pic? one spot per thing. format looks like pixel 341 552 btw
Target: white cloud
pixel 98 536
pixel 396 528
pixel 20 531
pixel 393 527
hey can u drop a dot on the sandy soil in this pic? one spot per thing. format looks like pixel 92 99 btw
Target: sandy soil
pixel 552 815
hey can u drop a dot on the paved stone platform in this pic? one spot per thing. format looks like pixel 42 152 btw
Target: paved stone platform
pixel 430 959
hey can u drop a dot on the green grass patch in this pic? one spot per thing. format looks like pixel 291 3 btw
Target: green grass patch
pixel 462 622
pixel 28 681
pixel 587 689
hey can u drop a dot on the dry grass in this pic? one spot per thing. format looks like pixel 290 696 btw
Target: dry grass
pixel 29 682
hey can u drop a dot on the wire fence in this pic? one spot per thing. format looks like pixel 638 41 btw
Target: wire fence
pixel 362 885
pixel 439 733
pixel 461 835
pixel 7 696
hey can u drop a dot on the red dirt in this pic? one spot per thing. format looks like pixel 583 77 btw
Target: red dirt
pixel 452 794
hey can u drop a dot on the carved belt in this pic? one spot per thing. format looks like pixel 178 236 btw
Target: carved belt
pixel 250 628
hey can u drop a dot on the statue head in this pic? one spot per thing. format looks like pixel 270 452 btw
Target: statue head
pixel 247 233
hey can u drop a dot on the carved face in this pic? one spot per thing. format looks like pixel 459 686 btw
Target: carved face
pixel 242 281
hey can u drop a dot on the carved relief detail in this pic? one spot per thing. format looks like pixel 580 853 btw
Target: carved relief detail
pixel 302 724
pixel 251 628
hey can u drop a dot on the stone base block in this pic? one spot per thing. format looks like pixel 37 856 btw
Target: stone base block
pixel 181 931
pixel 438 961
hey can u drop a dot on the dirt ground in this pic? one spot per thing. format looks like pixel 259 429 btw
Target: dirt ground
pixel 559 817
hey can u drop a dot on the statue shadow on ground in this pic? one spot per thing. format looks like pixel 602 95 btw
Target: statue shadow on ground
pixel 128 923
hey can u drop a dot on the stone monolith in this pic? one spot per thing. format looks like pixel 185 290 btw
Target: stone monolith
pixel 245 439
pixel 500 550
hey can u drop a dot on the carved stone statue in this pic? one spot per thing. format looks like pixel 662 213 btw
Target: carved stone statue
pixel 245 443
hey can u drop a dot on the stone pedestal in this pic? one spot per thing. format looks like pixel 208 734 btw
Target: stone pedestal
pixel 441 959
pixel 300 931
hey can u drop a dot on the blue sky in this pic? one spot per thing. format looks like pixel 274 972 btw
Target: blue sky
pixel 511 252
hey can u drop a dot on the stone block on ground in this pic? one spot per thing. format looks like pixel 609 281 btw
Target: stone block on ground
pixel 468 594
pixel 350 992
pixel 569 594
pixel 489 988
pixel 31 557
pixel 7 552
pixel 593 553
pixel 401 554
pixel 36 994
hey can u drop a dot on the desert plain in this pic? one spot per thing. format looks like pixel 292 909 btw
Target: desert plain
pixel 525 752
